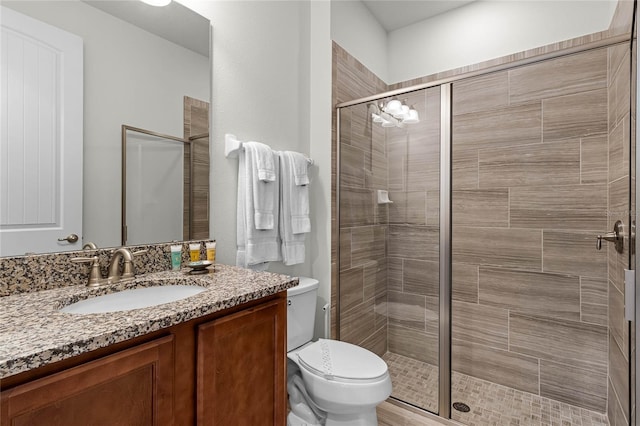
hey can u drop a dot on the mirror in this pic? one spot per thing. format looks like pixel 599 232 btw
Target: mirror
pixel 140 62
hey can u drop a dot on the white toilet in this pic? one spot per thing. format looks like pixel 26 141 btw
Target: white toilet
pixel 329 382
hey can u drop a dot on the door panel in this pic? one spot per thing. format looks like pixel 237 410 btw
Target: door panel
pixel 41 138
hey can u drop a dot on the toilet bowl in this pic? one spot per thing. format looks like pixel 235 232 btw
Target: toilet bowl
pixel 330 382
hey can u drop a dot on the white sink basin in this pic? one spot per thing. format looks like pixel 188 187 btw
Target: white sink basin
pixel 136 298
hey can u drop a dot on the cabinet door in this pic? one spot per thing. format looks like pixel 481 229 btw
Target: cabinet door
pixel 132 387
pixel 241 375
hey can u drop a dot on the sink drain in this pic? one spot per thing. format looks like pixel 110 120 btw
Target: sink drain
pixel 461 406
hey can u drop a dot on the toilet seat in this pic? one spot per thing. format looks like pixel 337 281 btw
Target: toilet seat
pixel 342 362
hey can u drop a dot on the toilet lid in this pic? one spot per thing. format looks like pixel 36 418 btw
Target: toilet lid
pixel 332 358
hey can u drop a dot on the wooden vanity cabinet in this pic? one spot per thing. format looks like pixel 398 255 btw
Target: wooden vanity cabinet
pixel 241 376
pixel 227 368
pixel 131 387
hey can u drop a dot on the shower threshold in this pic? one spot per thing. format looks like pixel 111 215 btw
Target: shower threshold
pixel 416 383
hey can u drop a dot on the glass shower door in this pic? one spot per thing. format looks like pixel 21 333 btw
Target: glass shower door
pixel 389 297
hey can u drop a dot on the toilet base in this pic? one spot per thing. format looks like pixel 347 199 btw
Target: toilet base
pixel 293 420
pixel 366 418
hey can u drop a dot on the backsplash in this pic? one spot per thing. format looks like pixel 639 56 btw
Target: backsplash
pixel 24 274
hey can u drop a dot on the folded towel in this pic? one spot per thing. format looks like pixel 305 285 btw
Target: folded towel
pixel 299 195
pixel 265 192
pixel 266 161
pixel 294 201
pixel 255 246
pixel 300 167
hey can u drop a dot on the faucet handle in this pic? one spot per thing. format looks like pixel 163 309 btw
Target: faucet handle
pixel 95 277
pixel 128 268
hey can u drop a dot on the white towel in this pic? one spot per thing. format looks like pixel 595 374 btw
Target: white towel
pixel 255 247
pixel 266 161
pixel 292 203
pixel 265 192
pixel 300 221
pixel 300 168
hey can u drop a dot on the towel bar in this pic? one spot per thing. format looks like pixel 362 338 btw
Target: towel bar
pixel 232 146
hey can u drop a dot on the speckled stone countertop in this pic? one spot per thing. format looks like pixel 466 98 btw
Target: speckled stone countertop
pixel 33 332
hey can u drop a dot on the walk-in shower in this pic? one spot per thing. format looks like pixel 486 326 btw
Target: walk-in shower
pixel 480 284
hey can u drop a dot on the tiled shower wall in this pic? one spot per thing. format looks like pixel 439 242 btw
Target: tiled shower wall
pixel 363 224
pixel 539 168
pixel 529 196
pixel 618 185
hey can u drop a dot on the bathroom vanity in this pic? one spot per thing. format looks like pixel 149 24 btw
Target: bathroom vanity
pixel 216 358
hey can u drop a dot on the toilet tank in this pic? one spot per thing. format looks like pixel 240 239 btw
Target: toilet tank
pixel 301 312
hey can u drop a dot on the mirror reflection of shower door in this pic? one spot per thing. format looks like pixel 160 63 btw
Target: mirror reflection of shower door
pixel 389 300
pixel 154 188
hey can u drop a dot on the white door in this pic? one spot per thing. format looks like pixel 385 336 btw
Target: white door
pixel 41 136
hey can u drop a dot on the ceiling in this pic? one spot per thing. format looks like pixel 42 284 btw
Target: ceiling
pixel 394 14
pixel 174 22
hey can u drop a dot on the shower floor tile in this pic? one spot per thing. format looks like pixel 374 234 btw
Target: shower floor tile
pixel 416 383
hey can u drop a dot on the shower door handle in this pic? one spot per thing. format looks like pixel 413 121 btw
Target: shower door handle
pixel 615 237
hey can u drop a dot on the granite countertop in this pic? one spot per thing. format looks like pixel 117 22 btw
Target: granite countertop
pixel 33 332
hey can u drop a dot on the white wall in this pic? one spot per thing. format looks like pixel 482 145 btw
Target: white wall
pixel 130 77
pixel 272 83
pixel 356 30
pixel 489 29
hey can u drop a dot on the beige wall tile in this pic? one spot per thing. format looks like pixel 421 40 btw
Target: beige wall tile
pixel 594 299
pixel 414 242
pixel 397 155
pixel 479 324
pixel 515 125
pixel 573 253
pixel 423 163
pixel 593 160
pixel 351 288
pixel 464 286
pixel 356 207
pixel 577 386
pixel 368 244
pixel 398 210
pixel 464 169
pixel 619 374
pixel 579 207
pixel 528 165
pixel 538 293
pixel 568 342
pixel 345 249
pixel 509 248
pixel 394 271
pixel 619 91
pixel 351 166
pixel 358 323
pixel 377 342
pixel 375 172
pixel 375 278
pixel 416 208
pixel 618 153
pixel 481 93
pixel 433 208
pixel 557 77
pixel 617 322
pixel 615 414
pixel 495 365
pixel 480 207
pixel 421 277
pixel 579 115
pixel 413 343
pixel 407 310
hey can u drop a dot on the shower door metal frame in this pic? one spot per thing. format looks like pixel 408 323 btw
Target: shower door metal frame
pixel 444 320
